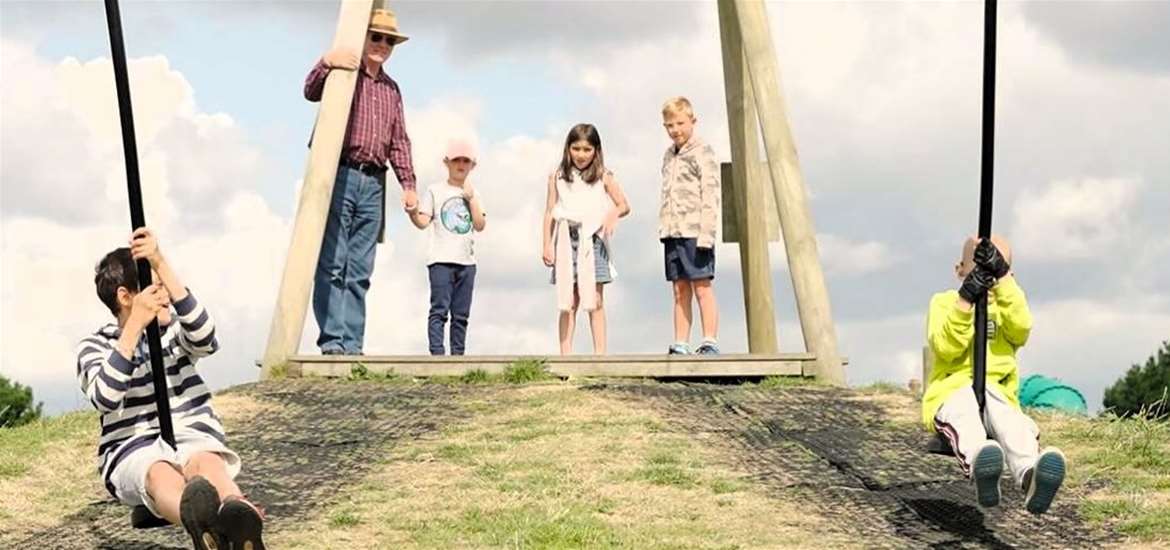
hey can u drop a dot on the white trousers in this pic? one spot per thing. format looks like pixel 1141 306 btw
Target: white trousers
pixel 958 421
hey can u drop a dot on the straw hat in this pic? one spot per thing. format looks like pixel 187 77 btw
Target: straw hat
pixel 385 22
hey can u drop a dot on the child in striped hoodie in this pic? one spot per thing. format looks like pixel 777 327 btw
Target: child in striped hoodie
pixel 189 484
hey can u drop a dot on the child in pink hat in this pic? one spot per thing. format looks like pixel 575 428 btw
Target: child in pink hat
pixel 453 210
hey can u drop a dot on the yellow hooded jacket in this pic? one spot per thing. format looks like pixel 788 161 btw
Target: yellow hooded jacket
pixel 950 331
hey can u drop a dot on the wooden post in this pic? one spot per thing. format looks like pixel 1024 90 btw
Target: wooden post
pixel 748 192
pixel 812 296
pixel 288 321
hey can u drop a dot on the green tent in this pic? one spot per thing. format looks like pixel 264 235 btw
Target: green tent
pixel 1041 392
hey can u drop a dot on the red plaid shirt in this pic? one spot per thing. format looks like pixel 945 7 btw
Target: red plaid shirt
pixel 377 126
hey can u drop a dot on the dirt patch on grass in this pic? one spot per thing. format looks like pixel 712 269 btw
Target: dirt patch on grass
pixel 238 408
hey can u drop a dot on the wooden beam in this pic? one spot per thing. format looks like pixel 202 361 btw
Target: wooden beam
pixel 748 193
pixel 728 187
pixel 296 284
pixel 812 295
pixel 786 364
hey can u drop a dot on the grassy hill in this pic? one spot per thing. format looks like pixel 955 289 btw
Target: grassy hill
pixel 480 462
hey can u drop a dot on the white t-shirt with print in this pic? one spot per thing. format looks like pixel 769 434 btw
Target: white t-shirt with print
pixel 451 230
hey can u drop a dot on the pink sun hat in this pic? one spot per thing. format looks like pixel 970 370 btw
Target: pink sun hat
pixel 459 148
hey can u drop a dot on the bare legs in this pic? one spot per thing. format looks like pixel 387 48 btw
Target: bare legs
pixel 568 321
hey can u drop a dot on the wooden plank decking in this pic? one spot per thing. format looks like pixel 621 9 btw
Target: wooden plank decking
pixel 645 366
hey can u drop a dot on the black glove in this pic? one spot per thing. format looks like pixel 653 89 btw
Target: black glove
pixel 988 257
pixel 976 284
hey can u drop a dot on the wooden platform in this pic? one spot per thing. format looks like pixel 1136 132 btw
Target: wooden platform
pixel 644 366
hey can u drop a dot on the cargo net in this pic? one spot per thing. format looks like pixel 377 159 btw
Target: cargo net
pixel 325 435
pixel 841 455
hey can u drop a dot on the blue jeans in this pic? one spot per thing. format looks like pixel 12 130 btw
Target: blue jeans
pixel 347 260
pixel 451 286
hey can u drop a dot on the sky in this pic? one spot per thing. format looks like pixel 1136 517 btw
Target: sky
pixel 883 100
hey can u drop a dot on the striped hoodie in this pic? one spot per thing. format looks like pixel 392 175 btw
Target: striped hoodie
pixel 123 391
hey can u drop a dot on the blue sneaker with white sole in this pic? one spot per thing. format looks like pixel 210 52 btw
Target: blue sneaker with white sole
pixel 678 349
pixel 1044 480
pixel 986 470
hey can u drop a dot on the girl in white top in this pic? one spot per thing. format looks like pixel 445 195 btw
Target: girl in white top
pixel 584 199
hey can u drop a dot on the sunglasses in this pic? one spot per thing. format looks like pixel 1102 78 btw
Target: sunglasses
pixel 379 37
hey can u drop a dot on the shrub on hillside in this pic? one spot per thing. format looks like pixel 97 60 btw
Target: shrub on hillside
pixel 16 404
pixel 1145 389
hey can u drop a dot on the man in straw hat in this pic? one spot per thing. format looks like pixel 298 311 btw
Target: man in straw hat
pixel 374 140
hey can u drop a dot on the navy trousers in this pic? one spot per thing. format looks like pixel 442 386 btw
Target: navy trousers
pixel 451 287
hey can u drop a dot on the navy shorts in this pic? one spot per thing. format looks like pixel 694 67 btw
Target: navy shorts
pixel 685 261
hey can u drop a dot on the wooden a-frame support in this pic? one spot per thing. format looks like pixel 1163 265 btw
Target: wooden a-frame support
pixel 751 79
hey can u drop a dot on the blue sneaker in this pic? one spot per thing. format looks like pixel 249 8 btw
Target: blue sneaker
pixel 678 349
pixel 708 348
pixel 986 470
pixel 1043 480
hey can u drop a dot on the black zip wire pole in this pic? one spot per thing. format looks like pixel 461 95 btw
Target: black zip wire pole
pixel 137 218
pixel 986 173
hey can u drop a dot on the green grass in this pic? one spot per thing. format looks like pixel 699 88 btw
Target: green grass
pixel 786 382
pixel 519 372
pixel 526 526
pixel 527 370
pixel 46 470
pixel 344 518
pixel 279 370
pixel 727 486
pixel 23 446
pixel 1102 510
pixel 1131 456
pixel 665 466
pixel 549 466
pixel 475 376
pixel 459 454
pixel 360 372
pixel 1149 526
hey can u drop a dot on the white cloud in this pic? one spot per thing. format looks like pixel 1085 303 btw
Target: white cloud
pixel 1090 343
pixel 847 257
pixel 885 115
pixel 200 174
pixel 431 127
pixel 594 80
pixel 1127 35
pixel 884 348
pixel 1073 219
pixel 63 212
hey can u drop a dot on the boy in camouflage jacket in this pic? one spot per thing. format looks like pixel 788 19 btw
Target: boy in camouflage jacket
pixel 687 222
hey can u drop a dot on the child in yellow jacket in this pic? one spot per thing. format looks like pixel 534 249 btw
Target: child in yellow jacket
pixel 949 406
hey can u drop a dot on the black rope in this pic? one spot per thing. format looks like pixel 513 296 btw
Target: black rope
pixel 137 217
pixel 986 176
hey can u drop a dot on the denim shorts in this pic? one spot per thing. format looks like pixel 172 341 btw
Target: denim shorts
pixel 600 259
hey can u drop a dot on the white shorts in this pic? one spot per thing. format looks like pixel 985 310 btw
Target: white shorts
pixel 129 477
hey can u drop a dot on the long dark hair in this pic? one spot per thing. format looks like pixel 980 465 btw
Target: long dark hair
pixel 596 169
